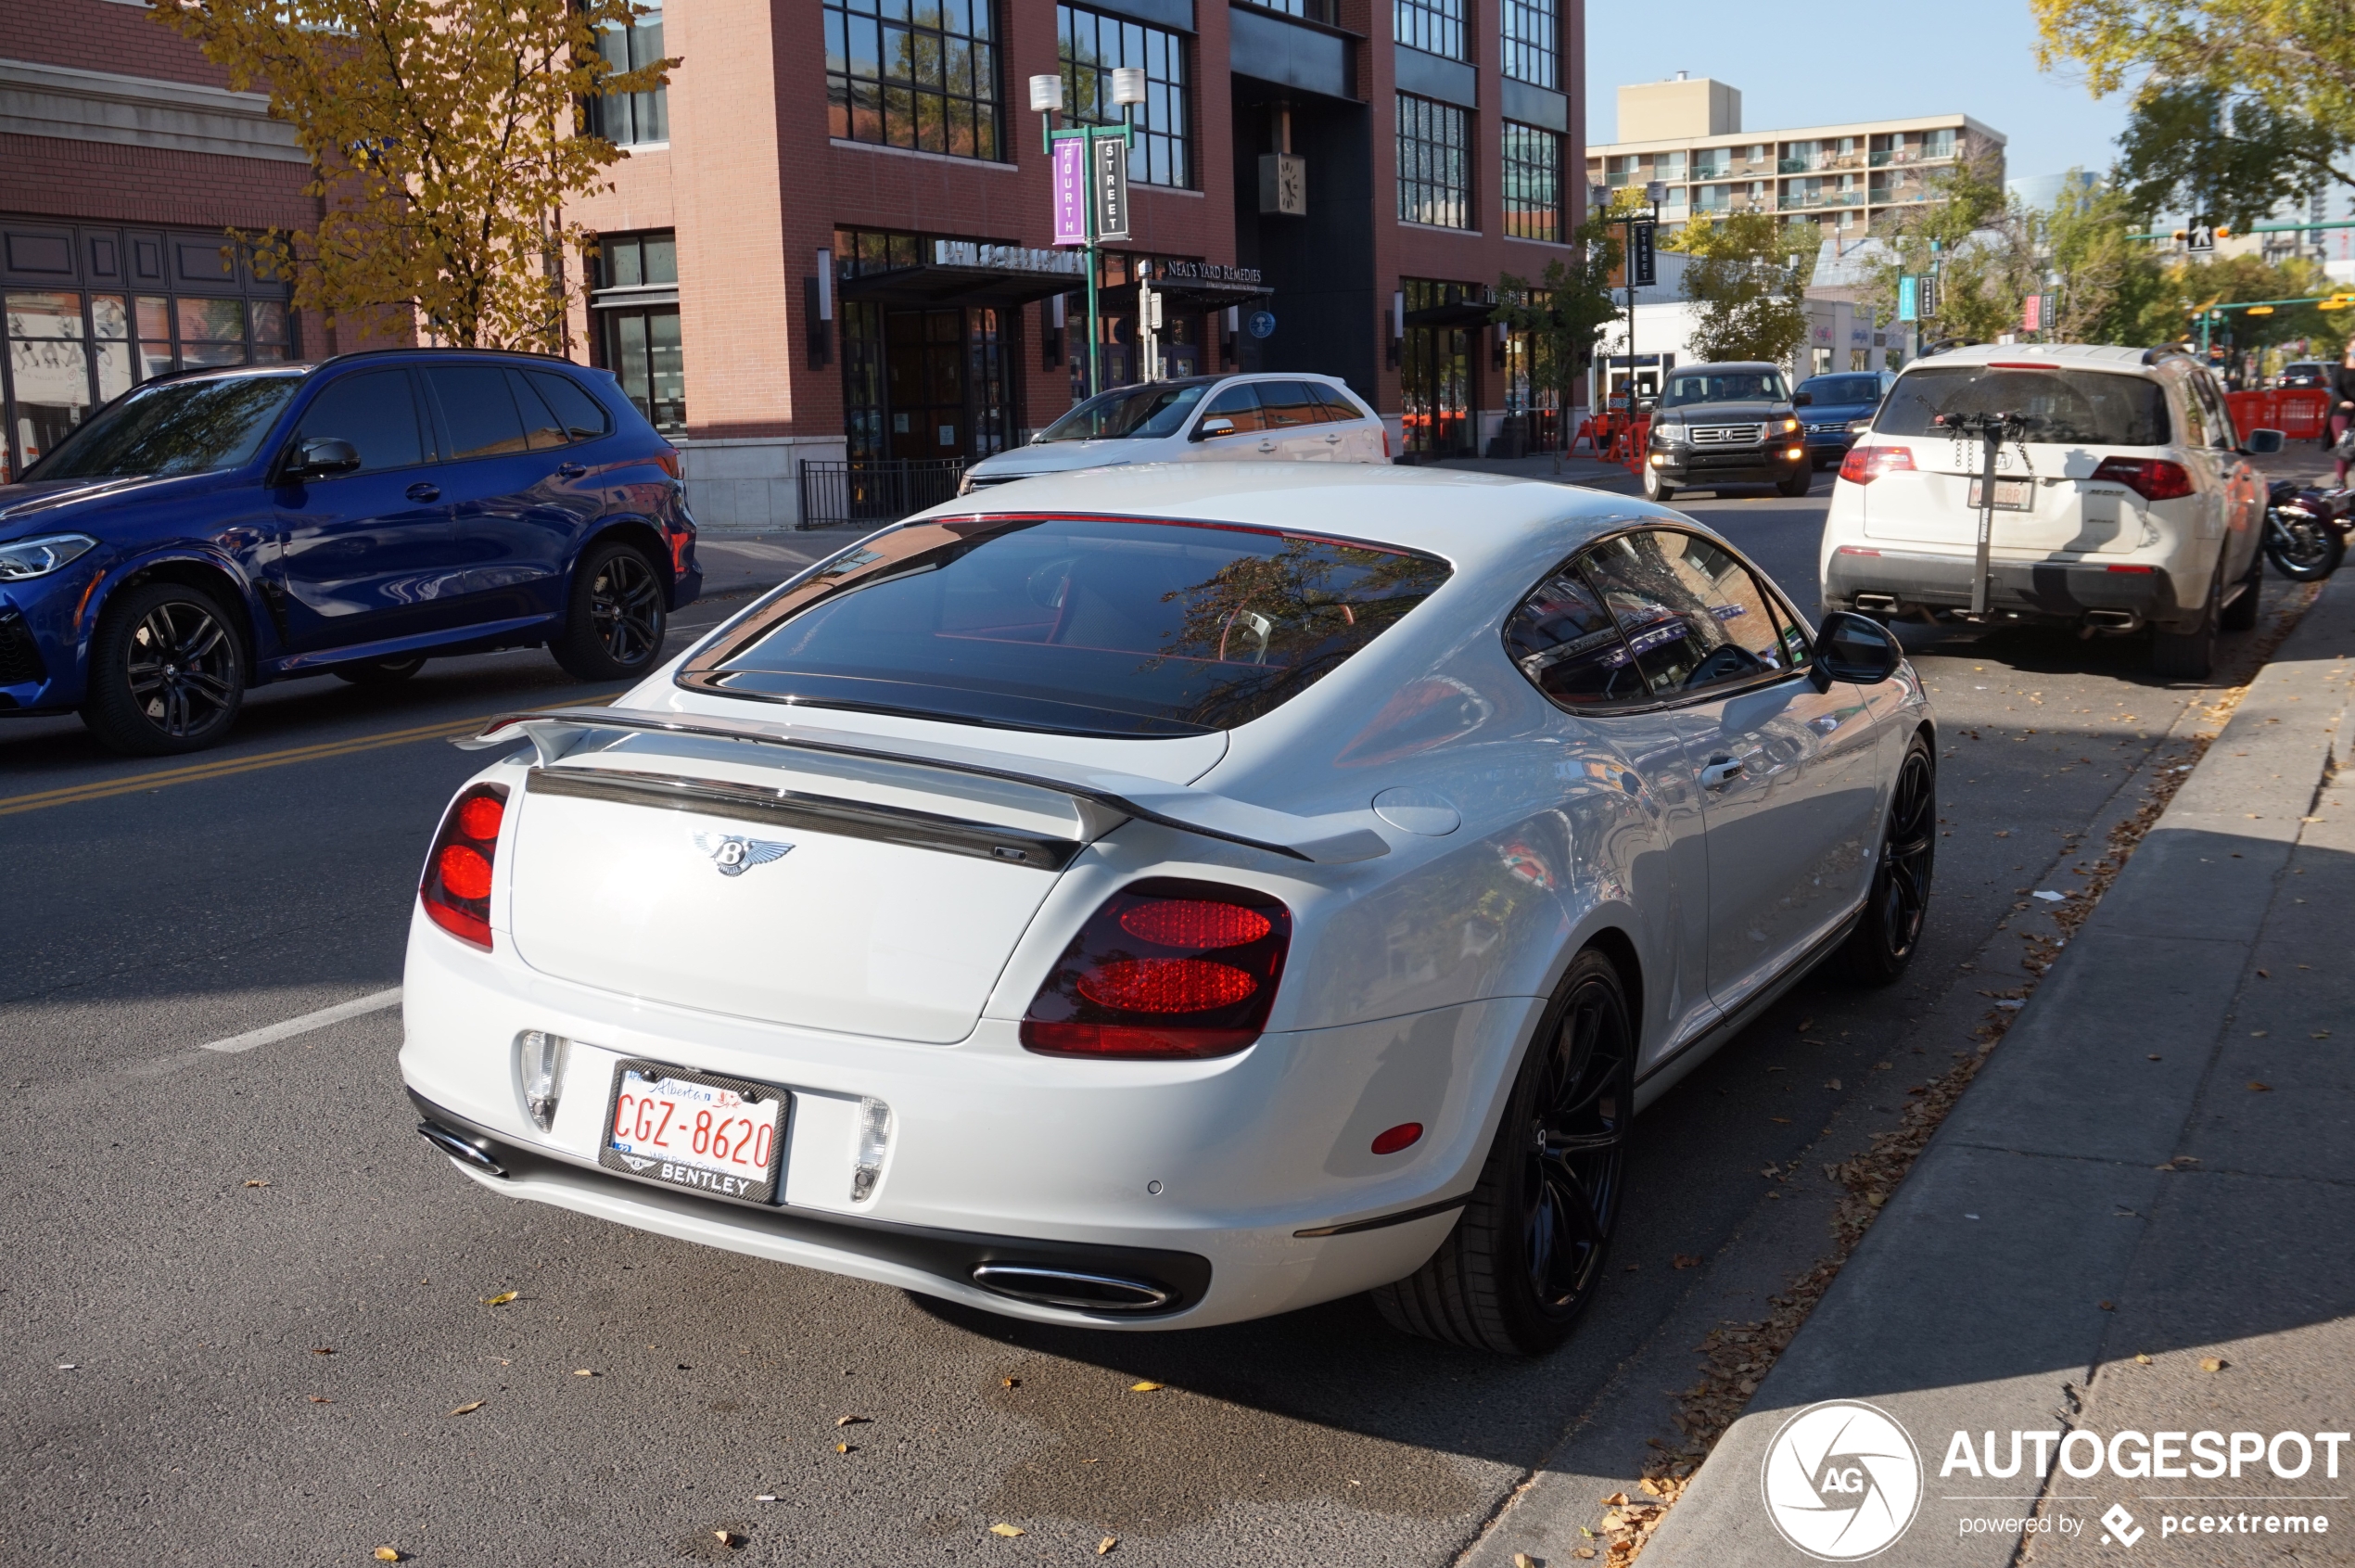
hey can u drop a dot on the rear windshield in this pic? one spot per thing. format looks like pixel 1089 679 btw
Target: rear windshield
pixel 1128 411
pixel 1080 626
pixel 194 426
pixel 1843 388
pixel 2097 407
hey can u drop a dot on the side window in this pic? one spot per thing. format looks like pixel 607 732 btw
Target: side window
pixel 1692 613
pixel 478 410
pixel 1286 404
pixel 581 415
pixel 2194 412
pixel 1335 406
pixel 376 412
pixel 541 429
pixel 1239 403
pixel 2220 434
pixel 1564 640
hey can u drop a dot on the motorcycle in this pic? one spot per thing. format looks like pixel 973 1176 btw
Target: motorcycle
pixel 2306 529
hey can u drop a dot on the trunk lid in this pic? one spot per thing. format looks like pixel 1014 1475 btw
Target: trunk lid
pixel 844 894
pixel 2068 510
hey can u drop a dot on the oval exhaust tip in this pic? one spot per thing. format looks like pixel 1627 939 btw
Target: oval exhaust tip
pixel 1076 1291
pixel 460 1148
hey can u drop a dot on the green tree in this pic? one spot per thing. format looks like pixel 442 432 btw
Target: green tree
pixel 2103 278
pixel 2169 315
pixel 444 144
pixel 1983 247
pixel 2229 156
pixel 1747 276
pixel 1566 312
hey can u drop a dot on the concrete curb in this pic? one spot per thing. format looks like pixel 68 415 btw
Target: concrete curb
pixel 1977 1301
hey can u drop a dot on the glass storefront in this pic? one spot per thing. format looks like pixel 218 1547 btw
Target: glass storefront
pixel 920 381
pixel 1435 371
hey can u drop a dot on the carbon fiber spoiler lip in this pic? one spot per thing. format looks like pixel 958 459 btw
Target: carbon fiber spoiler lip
pixel 1104 798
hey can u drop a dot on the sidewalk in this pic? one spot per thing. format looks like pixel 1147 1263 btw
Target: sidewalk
pixel 2153 1176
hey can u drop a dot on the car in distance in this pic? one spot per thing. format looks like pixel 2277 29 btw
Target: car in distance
pixel 2305 373
pixel 1719 424
pixel 1287 418
pixel 1171 896
pixel 2130 504
pixel 211 531
pixel 1839 404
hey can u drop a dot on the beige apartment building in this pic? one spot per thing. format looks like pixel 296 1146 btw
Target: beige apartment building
pixel 1688 133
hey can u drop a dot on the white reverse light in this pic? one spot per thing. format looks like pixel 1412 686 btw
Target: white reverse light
pixel 539 1067
pixel 874 1137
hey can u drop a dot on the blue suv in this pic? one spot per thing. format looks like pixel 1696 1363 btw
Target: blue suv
pixel 1833 402
pixel 208 531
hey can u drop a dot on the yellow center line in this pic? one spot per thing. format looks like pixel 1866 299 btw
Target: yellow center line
pixel 200 772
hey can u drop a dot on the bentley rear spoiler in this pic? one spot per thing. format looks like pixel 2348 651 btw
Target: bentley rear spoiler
pixel 1104 799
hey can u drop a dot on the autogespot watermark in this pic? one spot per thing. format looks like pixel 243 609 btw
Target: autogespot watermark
pixel 1843 1481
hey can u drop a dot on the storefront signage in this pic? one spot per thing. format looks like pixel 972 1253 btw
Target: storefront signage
pixel 1007 257
pixel 1206 272
pixel 1071 191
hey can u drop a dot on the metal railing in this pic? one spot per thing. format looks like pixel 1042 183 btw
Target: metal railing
pixel 874 490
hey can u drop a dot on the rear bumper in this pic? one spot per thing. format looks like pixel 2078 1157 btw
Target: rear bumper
pixel 2053 591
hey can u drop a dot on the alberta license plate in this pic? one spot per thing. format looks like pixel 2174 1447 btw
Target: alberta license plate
pixel 2011 495
pixel 716 1134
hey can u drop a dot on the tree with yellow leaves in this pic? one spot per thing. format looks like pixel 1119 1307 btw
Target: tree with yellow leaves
pixel 444 145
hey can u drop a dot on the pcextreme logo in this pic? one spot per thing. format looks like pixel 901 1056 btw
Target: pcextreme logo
pixel 1841 1481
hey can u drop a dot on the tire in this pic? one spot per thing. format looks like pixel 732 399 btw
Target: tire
pixel 2240 614
pixel 615 616
pixel 380 671
pixel 1797 484
pixel 1654 490
pixel 1527 1254
pixel 1884 942
pixel 2189 655
pixel 2313 553
pixel 167 673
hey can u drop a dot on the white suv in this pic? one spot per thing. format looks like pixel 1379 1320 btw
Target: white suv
pixel 2129 503
pixel 1287 418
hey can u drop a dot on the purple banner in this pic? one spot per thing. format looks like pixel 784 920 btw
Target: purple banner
pixel 1071 191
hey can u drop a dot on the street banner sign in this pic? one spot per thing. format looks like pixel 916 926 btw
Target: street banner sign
pixel 1909 298
pixel 2032 313
pixel 1925 295
pixel 1071 191
pixel 1643 259
pixel 1112 188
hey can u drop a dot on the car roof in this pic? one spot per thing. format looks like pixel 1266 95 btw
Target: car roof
pixel 1731 365
pixel 2089 356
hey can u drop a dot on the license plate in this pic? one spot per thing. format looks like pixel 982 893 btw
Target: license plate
pixel 2011 495
pixel 721 1136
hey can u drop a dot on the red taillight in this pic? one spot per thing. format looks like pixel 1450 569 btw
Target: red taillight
pixel 2152 479
pixel 1164 969
pixel 1865 464
pixel 456 888
pixel 668 460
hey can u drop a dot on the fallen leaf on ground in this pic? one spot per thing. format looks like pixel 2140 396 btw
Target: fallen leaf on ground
pixel 582 1371
pixel 724 1538
pixel 322 1350
pixel 850 1420
pixel 2256 1087
pixel 2106 1306
pixel 842 1448
pixel 501 1299
pixel 1523 1560
pixel 1008 1530
pixel 467 1409
pixel 1685 1260
pixel 1831 1083
pixel 1103 1548
pixel 1784 1120
pixel 1143 1387
pixel 386 1554
pixel 256 1184
pixel 2211 1364
pixel 1617 1499
pixel 766 1498
pixel 321 1399
pixel 2141 1359
pixel 1011 1381
pixel 1584 1553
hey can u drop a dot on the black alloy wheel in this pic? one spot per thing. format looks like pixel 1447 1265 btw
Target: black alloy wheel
pixel 167 673
pixel 618 616
pixel 1527 1256
pixel 1898 907
pixel 1798 482
pixel 2191 656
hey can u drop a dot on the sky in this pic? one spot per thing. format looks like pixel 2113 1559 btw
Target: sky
pixel 1830 61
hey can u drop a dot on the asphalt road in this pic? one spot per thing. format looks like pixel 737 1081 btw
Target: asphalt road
pixel 246 1300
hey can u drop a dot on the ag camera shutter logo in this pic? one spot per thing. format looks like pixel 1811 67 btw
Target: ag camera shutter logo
pixel 1841 1481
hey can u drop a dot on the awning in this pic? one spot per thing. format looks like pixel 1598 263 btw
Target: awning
pixel 969 272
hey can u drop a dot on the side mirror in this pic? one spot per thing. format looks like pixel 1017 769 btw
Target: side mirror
pixel 1856 649
pixel 321 457
pixel 1210 428
pixel 2263 443
pixel 1800 400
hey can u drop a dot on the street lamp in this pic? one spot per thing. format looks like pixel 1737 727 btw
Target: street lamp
pixel 1046 99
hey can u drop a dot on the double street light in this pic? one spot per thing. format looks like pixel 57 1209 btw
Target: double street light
pixel 1102 182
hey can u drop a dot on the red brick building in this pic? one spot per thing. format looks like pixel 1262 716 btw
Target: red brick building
pixel 833 235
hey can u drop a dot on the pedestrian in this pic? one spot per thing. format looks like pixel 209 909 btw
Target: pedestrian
pixel 2342 385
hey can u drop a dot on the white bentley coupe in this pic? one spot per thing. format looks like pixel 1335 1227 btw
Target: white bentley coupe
pixel 1172 895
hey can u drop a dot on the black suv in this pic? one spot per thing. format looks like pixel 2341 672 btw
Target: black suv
pixel 1719 425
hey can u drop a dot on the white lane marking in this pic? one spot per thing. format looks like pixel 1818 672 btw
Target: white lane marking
pixel 309 1021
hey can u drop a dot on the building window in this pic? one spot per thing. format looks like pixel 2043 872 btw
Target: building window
pixel 1533 183
pixel 1308 11
pixel 636 306
pixel 1434 168
pixel 1436 27
pixel 1533 42
pixel 1091 46
pixel 924 77
pixel 631 119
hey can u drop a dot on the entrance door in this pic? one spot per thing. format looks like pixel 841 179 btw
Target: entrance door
pixel 924 375
pixel 1434 376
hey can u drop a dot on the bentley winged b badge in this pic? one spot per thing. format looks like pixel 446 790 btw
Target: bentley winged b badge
pixel 733 855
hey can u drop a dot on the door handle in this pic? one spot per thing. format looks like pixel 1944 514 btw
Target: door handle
pixel 1335 438
pixel 1720 773
pixel 423 491
pixel 571 470
pixel 1267 446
